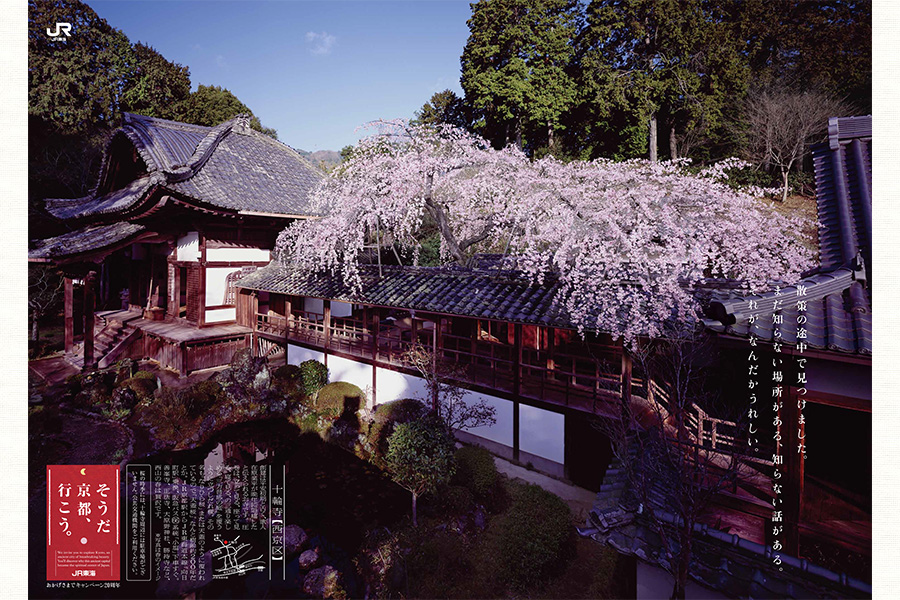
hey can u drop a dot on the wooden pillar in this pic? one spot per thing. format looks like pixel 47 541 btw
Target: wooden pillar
pixel 517 385
pixel 69 326
pixel 376 325
pixel 626 377
pixel 288 309
pixel 89 282
pixel 434 362
pixel 326 321
pixel 173 287
pixel 201 292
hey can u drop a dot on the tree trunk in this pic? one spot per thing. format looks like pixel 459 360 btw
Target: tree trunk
pixel 684 560
pixel 34 326
pixel 673 144
pixel 415 516
pixel 549 135
pixel 784 191
pixel 653 137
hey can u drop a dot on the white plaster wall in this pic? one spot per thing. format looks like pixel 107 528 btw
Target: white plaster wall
pixel 501 431
pixel 221 314
pixel 299 354
pixel 313 305
pixel 189 247
pixel 341 309
pixel 215 284
pixel 237 254
pixel 338 309
pixel 391 385
pixel 542 432
pixel 359 374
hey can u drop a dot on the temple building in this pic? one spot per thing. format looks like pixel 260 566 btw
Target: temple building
pixel 178 215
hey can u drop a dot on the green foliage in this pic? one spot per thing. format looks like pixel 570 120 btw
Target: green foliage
pixel 534 536
pixel 143 383
pixel 475 469
pixel 515 68
pixel 313 375
pixel 420 455
pixel 287 372
pixel 387 417
pixel 155 86
pixel 201 397
pixel 211 105
pixel 457 499
pixel 75 82
pixel 339 397
pixel 444 108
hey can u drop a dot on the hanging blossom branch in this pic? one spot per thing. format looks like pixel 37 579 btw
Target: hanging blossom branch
pixel 626 241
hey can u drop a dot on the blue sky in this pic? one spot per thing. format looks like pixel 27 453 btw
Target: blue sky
pixel 313 70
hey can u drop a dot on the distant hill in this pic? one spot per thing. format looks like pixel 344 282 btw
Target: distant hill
pixel 324 159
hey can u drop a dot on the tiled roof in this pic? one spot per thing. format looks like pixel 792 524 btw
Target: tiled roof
pixel 843 167
pixel 737 567
pixel 113 202
pixel 82 240
pixel 478 293
pixel 837 311
pixel 228 166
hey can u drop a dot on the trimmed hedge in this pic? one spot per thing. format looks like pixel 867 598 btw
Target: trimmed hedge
pixel 389 415
pixel 534 536
pixel 337 397
pixel 475 469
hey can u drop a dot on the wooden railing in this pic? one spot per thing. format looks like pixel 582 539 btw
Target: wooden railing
pixel 558 378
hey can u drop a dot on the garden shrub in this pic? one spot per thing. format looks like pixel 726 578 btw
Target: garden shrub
pixel 335 398
pixel 475 469
pixel 534 536
pixel 287 373
pixel 314 376
pixel 142 385
pixel 201 397
pixel 386 417
pixel 457 499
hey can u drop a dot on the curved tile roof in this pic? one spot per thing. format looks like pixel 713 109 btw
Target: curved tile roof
pixel 474 293
pixel 228 166
pixel 86 239
pixel 837 312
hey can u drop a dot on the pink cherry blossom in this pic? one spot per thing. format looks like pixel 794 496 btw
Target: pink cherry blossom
pixel 628 241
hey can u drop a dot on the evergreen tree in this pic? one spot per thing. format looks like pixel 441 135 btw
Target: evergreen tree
pixel 155 86
pixel 514 69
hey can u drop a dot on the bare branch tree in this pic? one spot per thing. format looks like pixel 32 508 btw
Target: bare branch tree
pixel 672 473
pixel 783 122
pixel 446 398
pixel 44 289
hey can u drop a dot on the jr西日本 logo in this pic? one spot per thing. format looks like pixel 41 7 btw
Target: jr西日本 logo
pixel 61 28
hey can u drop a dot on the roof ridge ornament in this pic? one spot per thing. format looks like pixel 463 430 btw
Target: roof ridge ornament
pixel 241 124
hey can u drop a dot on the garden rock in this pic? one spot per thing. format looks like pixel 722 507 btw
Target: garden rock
pixel 323 582
pixel 309 559
pixel 294 539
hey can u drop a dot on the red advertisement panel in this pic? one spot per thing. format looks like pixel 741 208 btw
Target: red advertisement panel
pixel 82 523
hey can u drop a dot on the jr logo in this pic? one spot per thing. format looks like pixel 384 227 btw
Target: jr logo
pixel 60 29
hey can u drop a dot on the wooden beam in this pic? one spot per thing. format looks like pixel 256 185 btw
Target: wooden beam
pixel 69 335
